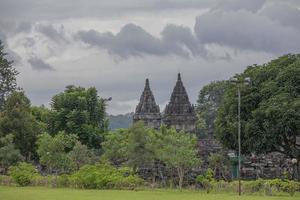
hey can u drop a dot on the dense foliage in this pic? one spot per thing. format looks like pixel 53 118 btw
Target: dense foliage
pixel 9 155
pixel 17 119
pixel 62 153
pixel 209 100
pixel 270 109
pixel 145 148
pixel 178 150
pixel 7 76
pixel 103 175
pixel 22 173
pixel 81 112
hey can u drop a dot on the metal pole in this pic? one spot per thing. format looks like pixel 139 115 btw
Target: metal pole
pixel 239 137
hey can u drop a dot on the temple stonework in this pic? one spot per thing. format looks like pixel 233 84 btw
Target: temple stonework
pixel 147 110
pixel 179 112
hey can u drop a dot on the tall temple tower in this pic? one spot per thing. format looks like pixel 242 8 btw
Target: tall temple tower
pixel 179 113
pixel 147 110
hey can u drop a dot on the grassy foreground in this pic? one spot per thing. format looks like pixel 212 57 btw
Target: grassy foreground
pixel 38 193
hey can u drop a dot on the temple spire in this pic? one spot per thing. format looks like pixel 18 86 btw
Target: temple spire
pixel 147 85
pixel 179 112
pixel 178 77
pixel 147 110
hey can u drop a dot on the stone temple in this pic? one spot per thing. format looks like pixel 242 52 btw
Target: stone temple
pixel 179 112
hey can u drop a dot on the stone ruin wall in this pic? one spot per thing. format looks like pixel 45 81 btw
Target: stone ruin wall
pixel 269 166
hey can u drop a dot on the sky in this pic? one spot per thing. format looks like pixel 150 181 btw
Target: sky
pixel 115 45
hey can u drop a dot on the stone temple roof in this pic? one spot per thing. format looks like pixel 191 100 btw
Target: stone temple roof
pixel 147 104
pixel 179 102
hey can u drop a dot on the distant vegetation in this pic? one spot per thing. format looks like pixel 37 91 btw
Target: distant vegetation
pixel 120 121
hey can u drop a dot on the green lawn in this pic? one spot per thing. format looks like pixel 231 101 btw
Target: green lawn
pixel 40 193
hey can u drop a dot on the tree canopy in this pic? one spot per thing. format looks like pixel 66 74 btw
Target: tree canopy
pixel 16 119
pixel 7 76
pixel 81 112
pixel 270 109
pixel 209 100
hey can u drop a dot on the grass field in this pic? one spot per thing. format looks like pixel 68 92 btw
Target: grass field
pixel 39 193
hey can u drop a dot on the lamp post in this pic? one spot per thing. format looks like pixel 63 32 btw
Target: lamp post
pixel 238 83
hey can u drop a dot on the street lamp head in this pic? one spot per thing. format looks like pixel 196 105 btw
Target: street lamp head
pixel 294 161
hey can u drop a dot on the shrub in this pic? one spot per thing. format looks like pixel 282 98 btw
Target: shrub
pixel 103 176
pixel 63 181
pixel 22 173
pixel 253 186
pixel 206 180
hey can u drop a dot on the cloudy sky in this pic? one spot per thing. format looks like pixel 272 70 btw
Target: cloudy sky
pixel 114 45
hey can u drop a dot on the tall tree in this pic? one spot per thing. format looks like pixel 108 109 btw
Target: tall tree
pixel 209 100
pixel 140 153
pixel 178 150
pixel 16 119
pixel 81 112
pixel 270 109
pixel 7 76
pixel 115 146
pixel 9 155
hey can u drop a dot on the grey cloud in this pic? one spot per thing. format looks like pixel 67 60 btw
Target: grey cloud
pixel 57 35
pixel 39 65
pixel 283 13
pixel 247 31
pixel 179 37
pixel 132 40
pixel 62 9
pixel 235 5
pixel 11 55
pixel 14 27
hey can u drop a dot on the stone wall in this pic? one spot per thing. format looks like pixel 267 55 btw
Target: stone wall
pixel 272 165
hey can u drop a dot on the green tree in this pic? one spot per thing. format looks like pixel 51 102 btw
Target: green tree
pixel 7 76
pixel 140 153
pixel 178 150
pixel 270 109
pixel 115 146
pixel 42 116
pixel 81 112
pixel 16 119
pixel 209 100
pixel 219 164
pixel 53 151
pixel 81 155
pixel 9 155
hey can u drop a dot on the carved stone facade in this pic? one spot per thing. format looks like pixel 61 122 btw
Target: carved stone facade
pixel 179 112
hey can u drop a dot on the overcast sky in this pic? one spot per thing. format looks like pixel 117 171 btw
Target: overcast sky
pixel 115 45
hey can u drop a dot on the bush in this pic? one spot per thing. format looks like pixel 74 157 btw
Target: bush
pixel 103 176
pixel 253 186
pixel 206 180
pixel 22 173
